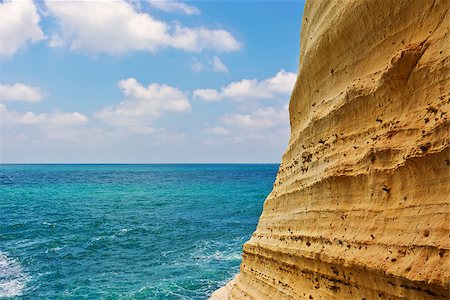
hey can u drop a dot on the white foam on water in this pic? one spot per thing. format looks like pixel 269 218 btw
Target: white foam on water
pixel 207 251
pixel 217 256
pixel 12 278
pixel 54 249
pixel 49 224
pixel 123 231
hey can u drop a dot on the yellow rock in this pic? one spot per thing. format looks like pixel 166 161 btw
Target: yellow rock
pixel 360 207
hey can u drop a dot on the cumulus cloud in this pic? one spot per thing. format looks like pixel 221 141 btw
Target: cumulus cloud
pixel 30 118
pixel 141 105
pixel 197 66
pixel 268 125
pixel 174 6
pixel 19 26
pixel 19 92
pixel 200 38
pixel 207 95
pixel 251 89
pixel 218 130
pixel 263 117
pixel 218 65
pixel 208 64
pixel 116 27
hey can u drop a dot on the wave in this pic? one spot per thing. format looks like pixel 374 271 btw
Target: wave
pixel 205 252
pixel 5 179
pixel 121 232
pixel 12 278
pixel 220 255
pixel 55 249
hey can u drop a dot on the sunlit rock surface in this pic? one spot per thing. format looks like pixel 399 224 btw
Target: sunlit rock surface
pixel 360 207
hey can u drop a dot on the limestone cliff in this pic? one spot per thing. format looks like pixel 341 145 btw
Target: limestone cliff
pixel 360 206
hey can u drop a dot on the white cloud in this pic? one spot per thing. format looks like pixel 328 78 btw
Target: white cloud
pixel 143 104
pixel 197 66
pixel 200 38
pixel 262 128
pixel 251 89
pixel 207 95
pixel 215 64
pixel 263 117
pixel 19 26
pixel 218 65
pixel 56 41
pixel 116 27
pixel 67 119
pixel 174 6
pixel 19 92
pixel 218 130
pixel 30 118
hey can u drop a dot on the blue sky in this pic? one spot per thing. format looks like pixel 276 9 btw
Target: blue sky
pixel 146 81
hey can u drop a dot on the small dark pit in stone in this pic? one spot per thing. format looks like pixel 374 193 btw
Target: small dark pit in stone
pixel 432 109
pixel 426 233
pixel 424 148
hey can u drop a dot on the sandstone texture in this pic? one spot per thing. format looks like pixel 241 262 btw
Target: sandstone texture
pixel 360 207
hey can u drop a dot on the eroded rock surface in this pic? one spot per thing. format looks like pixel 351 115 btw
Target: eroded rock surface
pixel 360 207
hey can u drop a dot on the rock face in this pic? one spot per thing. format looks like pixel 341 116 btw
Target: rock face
pixel 360 207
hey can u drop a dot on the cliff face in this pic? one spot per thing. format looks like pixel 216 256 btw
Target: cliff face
pixel 360 207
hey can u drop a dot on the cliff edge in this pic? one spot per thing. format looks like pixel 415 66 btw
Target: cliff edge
pixel 360 207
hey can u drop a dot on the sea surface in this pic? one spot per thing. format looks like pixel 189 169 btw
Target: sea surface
pixel 125 231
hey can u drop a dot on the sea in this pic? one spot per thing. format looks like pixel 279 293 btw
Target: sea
pixel 157 231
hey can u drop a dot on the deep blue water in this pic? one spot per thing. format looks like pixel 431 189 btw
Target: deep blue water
pixel 125 231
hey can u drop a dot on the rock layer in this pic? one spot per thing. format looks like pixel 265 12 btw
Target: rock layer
pixel 360 207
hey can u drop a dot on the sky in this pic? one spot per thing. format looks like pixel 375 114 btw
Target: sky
pixel 146 81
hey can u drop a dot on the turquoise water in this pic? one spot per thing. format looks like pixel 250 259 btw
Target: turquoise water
pixel 125 231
